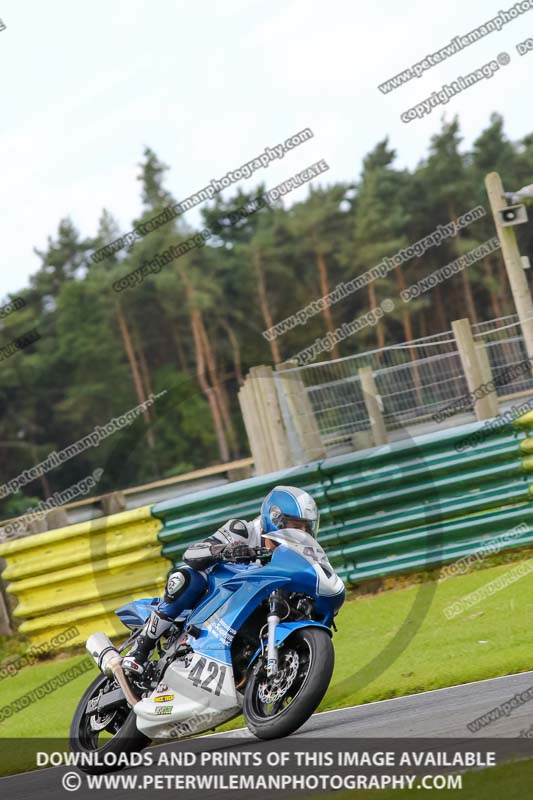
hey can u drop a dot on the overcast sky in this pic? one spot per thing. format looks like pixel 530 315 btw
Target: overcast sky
pixel 209 85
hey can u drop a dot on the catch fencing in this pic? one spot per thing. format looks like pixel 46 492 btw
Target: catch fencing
pixel 413 381
pixel 506 349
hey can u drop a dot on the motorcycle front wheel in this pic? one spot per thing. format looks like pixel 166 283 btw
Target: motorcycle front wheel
pixel 276 706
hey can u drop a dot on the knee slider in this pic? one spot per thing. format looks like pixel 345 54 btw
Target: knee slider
pixel 185 583
pixel 177 582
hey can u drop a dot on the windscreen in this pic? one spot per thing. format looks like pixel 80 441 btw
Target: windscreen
pixel 303 543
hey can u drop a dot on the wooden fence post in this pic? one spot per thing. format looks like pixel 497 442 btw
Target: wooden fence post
pixel 113 503
pixel 263 421
pixel 472 367
pixel 304 436
pixel 486 377
pixel 373 405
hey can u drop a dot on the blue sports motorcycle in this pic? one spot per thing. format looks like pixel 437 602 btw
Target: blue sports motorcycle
pixel 258 643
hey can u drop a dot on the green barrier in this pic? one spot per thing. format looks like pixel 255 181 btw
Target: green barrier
pixel 393 508
pixel 406 517
pixel 431 487
pixel 419 469
pixel 424 446
pixel 423 558
pixel 477 528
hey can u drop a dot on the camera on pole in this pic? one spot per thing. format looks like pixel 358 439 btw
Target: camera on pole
pixel 513 215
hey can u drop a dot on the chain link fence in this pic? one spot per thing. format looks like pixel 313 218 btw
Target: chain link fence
pixel 505 348
pixel 413 382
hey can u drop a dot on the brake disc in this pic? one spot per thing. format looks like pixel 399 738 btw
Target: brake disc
pixel 278 685
pixel 98 723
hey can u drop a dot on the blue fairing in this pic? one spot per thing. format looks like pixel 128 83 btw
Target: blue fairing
pixel 234 591
pixel 284 630
pixel 137 612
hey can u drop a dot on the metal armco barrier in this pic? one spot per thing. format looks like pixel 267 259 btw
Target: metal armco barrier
pixel 404 506
pixel 399 507
pixel 79 574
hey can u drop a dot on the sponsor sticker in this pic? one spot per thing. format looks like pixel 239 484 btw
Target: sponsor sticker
pixel 164 710
pixel 165 698
pixel 162 687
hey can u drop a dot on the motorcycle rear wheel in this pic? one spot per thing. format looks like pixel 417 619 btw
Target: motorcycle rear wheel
pixel 120 723
pixel 274 708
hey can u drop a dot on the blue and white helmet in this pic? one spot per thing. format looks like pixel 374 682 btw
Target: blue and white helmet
pixel 284 506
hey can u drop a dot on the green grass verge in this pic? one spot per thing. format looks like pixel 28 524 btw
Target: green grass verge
pixel 390 644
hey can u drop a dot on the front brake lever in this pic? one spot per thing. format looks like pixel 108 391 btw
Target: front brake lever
pixel 264 554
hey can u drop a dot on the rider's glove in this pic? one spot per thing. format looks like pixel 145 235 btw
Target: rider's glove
pixel 238 553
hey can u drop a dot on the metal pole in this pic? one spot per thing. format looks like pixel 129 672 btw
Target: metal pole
pixel 513 261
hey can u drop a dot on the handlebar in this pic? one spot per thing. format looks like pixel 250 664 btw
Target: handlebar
pixel 241 553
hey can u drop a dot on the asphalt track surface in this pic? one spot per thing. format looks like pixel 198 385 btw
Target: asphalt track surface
pixel 442 713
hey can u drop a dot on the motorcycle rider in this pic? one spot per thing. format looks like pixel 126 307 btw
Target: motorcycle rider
pixel 283 507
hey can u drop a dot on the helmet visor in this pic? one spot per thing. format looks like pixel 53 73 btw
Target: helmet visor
pixel 301 523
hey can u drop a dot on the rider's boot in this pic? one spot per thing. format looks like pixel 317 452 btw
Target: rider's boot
pixel 184 588
pixel 154 627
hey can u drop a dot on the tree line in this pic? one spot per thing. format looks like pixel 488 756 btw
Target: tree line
pixel 194 328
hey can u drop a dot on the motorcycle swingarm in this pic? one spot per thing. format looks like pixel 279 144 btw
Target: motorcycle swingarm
pixel 106 702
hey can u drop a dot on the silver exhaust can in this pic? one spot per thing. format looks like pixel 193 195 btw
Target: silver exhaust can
pixel 109 661
pixel 104 653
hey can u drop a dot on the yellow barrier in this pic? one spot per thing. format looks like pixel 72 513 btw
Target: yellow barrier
pixel 79 574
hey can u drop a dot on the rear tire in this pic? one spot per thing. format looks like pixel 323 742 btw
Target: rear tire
pixel 307 659
pixel 126 738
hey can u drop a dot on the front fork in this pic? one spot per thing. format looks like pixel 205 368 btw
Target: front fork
pixel 277 605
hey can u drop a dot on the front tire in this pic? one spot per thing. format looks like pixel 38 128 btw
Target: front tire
pixel 86 732
pixel 276 708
